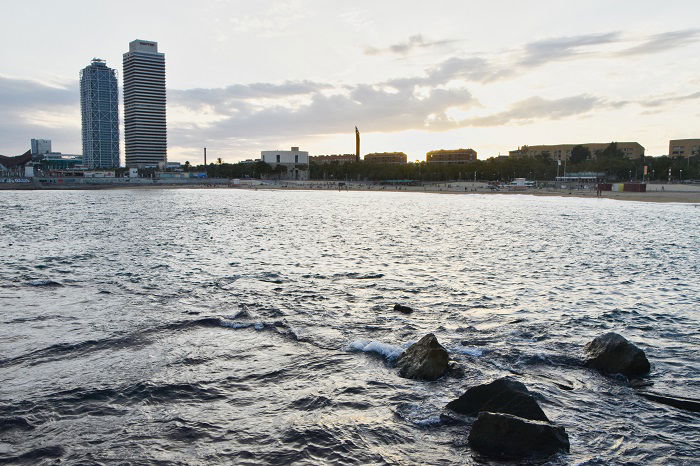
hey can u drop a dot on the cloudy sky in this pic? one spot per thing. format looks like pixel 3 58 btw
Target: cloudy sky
pixel 246 76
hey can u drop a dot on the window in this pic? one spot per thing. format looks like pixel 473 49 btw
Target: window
pixel 278 158
pixel 296 159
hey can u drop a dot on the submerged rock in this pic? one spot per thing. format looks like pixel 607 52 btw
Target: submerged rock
pixel 424 360
pixel 402 308
pixel 612 353
pixel 503 395
pixel 508 437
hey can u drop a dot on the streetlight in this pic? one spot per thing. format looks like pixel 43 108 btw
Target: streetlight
pixel 681 176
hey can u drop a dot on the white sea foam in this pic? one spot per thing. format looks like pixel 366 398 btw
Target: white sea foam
pixel 476 352
pixel 390 352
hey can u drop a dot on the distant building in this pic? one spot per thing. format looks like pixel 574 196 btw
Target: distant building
pixel 631 150
pixel 451 156
pixel 99 108
pixel 58 161
pixel 684 147
pixel 386 157
pixel 98 174
pixel 295 161
pixel 41 146
pixel 145 132
pixel 339 158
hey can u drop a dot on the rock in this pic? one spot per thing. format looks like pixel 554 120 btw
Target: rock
pixel 402 308
pixel 454 369
pixel 688 404
pixel 424 360
pixel 503 395
pixel 508 437
pixel 613 354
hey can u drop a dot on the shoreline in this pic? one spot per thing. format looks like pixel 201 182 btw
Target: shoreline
pixel 687 196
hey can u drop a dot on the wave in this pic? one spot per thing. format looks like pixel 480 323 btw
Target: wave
pixel 45 283
pixel 35 455
pixel 59 350
pixel 389 352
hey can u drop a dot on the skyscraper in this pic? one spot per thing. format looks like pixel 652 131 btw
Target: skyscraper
pixel 99 108
pixel 144 105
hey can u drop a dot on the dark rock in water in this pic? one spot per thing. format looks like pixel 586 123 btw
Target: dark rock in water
pixel 688 404
pixel 454 369
pixel 508 437
pixel 402 308
pixel 613 354
pixel 503 395
pixel 424 360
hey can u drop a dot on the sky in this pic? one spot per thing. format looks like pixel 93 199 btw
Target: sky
pixel 248 76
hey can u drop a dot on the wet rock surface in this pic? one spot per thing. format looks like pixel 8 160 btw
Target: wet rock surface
pixel 509 437
pixel 424 360
pixel 504 395
pixel 614 354
pixel 403 309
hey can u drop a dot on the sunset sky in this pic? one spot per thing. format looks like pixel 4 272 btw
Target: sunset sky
pixel 248 76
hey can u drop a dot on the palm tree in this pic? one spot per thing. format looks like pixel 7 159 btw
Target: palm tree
pixel 219 161
pixel 187 165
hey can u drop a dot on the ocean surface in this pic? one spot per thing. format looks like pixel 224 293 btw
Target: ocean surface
pixel 234 326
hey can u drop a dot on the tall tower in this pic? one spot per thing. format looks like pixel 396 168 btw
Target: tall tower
pixel 357 144
pixel 99 109
pixel 144 105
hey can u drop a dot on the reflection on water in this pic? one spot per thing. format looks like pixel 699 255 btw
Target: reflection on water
pixel 222 325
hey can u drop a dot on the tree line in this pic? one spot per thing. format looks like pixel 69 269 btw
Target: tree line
pixel 611 162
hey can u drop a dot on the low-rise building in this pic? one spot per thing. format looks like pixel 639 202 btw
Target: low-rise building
pixel 451 156
pixel 57 161
pixel 334 158
pixel 684 147
pixel 295 161
pixel 98 174
pixel 386 157
pixel 631 150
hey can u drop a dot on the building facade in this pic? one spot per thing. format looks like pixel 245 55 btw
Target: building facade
pixel 386 157
pixel 451 156
pixel 145 131
pixel 295 161
pixel 631 150
pixel 99 109
pixel 335 158
pixel 41 146
pixel 684 148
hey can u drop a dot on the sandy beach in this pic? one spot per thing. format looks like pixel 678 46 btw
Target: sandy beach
pixel 683 193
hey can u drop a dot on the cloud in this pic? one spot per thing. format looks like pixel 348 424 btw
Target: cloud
pixel 535 108
pixel 402 48
pixel 663 42
pixel 661 101
pixel 562 48
pixel 383 107
pixel 31 109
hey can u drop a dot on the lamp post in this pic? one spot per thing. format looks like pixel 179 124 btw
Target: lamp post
pixel 681 176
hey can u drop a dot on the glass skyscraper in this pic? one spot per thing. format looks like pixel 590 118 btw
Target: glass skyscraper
pixel 99 107
pixel 144 105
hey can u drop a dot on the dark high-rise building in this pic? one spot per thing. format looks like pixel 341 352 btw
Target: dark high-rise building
pixel 99 108
pixel 144 105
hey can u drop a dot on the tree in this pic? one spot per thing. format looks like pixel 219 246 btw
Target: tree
pixel 580 154
pixel 187 165
pixel 544 156
pixel 219 161
pixel 612 152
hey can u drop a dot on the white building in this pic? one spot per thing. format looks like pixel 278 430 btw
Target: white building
pixel 41 146
pixel 296 162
